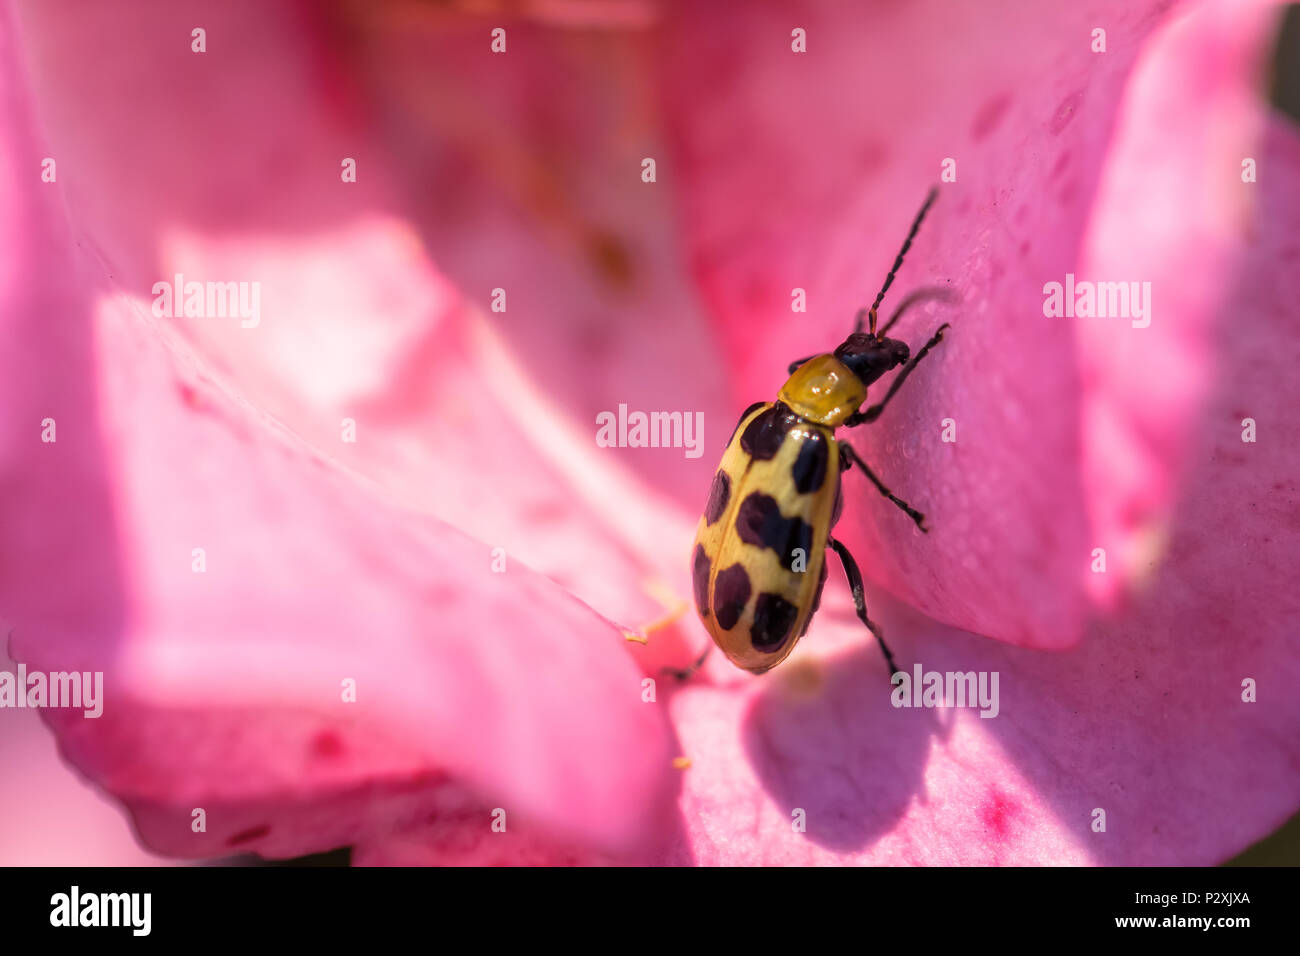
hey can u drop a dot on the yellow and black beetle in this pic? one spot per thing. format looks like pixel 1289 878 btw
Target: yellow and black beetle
pixel 759 561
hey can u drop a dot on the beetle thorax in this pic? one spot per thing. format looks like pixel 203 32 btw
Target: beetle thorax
pixel 824 390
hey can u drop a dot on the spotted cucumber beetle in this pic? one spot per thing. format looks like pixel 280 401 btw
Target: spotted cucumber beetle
pixel 759 561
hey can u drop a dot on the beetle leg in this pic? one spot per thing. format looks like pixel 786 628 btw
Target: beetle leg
pixel 872 413
pixel 795 364
pixel 920 295
pixel 860 599
pixel 851 457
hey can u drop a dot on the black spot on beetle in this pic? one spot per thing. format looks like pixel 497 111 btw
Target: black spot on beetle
pixel 760 522
pixel 700 577
pixel 745 414
pixel 730 595
pixel 774 616
pixel 809 469
pixel 763 436
pixel 719 495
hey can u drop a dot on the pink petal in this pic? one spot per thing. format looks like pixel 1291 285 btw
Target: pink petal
pixel 1193 111
pixel 1009 552
pixel 454 835
pixel 71 824
pixel 211 705
pixel 225 701
pixel 1145 719
pixel 354 318
pixel 223 688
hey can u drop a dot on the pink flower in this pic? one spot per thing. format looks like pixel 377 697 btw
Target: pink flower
pixel 390 641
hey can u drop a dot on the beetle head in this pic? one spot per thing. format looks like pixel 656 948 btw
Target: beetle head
pixel 870 357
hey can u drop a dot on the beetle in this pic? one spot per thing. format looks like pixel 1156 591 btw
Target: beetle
pixel 759 558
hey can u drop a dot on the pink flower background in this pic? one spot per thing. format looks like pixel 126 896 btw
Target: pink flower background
pixel 776 170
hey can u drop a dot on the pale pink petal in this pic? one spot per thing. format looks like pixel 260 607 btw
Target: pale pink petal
pixel 328 559
pixel 224 688
pixel 1172 211
pixel 487 420
pixel 72 823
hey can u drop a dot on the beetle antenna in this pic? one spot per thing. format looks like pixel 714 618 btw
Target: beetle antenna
pixel 898 262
